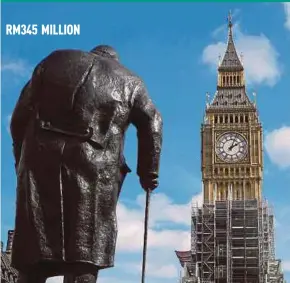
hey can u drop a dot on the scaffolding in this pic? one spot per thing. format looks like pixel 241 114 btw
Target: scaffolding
pixel 233 242
pixel 274 272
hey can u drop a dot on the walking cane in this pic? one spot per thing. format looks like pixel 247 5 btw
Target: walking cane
pixel 148 192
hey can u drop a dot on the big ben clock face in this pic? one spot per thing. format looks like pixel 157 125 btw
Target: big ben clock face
pixel 231 147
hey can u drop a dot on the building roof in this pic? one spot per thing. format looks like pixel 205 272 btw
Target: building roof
pixel 231 60
pixel 183 256
pixel 231 98
pixel 8 273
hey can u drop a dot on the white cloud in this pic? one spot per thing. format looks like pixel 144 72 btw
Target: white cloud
pixel 153 268
pixel 8 119
pixel 286 266
pixel 162 241
pixel 56 279
pixel 260 57
pixel 16 66
pixel 163 271
pixel 277 144
pixel 15 70
pixel 282 234
pixel 287 14
pixel 162 211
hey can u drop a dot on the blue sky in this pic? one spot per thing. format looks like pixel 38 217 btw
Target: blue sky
pixel 174 48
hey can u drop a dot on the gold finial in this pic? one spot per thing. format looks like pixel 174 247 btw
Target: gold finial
pixel 230 25
pixel 230 19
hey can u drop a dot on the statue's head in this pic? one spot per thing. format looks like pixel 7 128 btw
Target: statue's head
pixel 106 51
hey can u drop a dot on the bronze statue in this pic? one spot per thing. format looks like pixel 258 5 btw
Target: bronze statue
pixel 68 131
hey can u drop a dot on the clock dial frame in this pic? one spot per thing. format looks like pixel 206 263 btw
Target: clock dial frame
pixel 231 147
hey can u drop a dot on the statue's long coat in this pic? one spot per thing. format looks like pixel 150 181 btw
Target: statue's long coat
pixel 68 182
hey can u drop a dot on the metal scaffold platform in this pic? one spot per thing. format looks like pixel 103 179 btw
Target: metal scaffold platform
pixel 232 242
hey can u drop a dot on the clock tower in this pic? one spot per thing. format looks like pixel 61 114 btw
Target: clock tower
pixel 232 232
pixel 231 135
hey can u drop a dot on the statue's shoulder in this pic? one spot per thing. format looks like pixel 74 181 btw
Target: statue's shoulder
pixel 64 64
pixel 128 74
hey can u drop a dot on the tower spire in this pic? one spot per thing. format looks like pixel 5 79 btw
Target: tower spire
pixel 231 91
pixel 230 28
pixel 231 60
pixel 230 24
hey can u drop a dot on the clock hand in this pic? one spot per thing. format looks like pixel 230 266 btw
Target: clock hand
pixel 234 140
pixel 237 144
pixel 232 145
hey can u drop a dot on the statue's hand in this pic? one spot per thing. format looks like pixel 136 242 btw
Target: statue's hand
pixel 149 182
